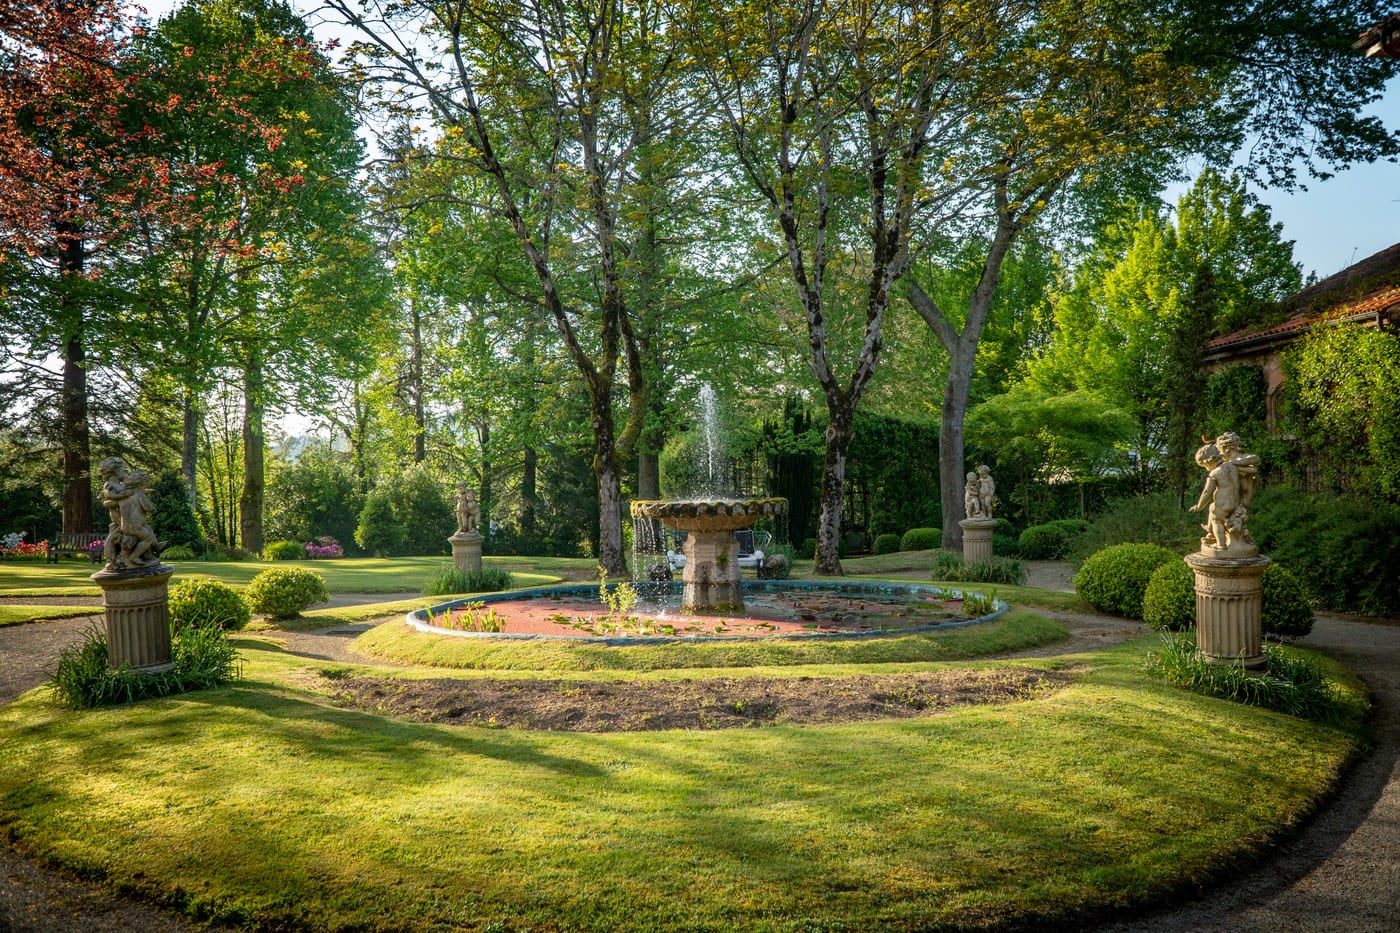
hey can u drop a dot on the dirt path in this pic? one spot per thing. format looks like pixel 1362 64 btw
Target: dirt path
pixel 1342 873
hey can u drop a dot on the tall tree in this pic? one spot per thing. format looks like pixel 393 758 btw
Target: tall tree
pixel 548 102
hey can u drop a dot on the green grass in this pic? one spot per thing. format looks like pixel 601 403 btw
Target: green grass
pixel 342 575
pixel 16 615
pixel 258 805
pixel 398 643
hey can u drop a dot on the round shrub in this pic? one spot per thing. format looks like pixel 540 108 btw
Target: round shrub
pixel 283 592
pixel 808 550
pixel 1005 545
pixel 1043 542
pixel 1169 604
pixel 283 550
pixel 178 552
pixel 1115 578
pixel 886 544
pixel 1287 609
pixel 921 539
pixel 207 604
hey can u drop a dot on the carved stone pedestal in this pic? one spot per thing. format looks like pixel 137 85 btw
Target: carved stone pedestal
pixel 977 539
pixel 1229 608
pixel 137 617
pixel 712 577
pixel 466 551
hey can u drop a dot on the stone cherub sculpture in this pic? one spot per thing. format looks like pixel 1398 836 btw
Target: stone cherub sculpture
pixel 468 512
pixel 986 490
pixel 972 501
pixel 131 543
pixel 1228 490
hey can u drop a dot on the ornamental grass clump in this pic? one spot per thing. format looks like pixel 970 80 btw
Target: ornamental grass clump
pixel 282 593
pixel 203 658
pixel 1115 579
pixel 447 580
pixel 950 566
pixel 283 550
pixel 1290 683
pixel 207 604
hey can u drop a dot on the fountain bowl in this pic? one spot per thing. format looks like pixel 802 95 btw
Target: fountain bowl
pixel 708 515
pixel 711 573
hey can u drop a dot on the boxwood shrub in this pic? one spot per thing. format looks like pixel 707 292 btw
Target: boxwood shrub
pixel 1170 601
pixel 207 604
pixel 284 550
pixel 283 592
pixel 921 539
pixel 886 544
pixel 1115 578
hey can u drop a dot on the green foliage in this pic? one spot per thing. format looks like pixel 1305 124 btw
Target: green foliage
pixel 921 539
pixel 1006 545
pixel 207 604
pixel 948 566
pixel 1286 607
pixel 172 517
pixel 315 495
pixel 808 549
pixel 886 543
pixel 1342 400
pixel 178 552
pixel 1115 579
pixel 421 505
pixel 202 656
pixel 282 593
pixel 284 550
pixel 1346 549
pixel 1050 541
pixel 1169 603
pixel 1153 519
pixel 1290 684
pixel 379 530
pixel 447 580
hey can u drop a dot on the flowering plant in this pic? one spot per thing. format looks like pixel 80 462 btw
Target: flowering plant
pixel 324 547
pixel 95 549
pixel 13 545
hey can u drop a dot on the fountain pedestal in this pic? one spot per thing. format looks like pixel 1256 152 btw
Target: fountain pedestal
pixel 1229 608
pixel 711 575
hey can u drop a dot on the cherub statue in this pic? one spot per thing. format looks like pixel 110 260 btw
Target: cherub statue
pixel 1228 489
pixel 986 490
pixel 972 502
pixel 130 540
pixel 468 512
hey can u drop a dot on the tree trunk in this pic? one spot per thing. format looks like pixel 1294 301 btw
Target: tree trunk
pixel 77 461
pixel 420 431
pixel 648 475
pixel 839 433
pixel 529 497
pixel 250 503
pixel 610 552
pixel 951 481
pixel 189 446
pixel 76 435
pixel 484 494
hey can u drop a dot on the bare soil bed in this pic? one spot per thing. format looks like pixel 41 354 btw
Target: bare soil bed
pixel 710 703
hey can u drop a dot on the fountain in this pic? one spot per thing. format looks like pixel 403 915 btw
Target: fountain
pixel 711 574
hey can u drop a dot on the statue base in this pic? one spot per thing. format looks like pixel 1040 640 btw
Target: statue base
pixel 711 574
pixel 977 539
pixel 1229 608
pixel 137 617
pixel 466 551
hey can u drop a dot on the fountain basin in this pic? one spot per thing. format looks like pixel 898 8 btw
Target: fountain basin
pixel 787 610
pixel 711 574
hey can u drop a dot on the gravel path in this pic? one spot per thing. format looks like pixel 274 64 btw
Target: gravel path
pixel 1341 873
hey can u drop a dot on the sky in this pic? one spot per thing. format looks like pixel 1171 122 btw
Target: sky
pixel 1332 224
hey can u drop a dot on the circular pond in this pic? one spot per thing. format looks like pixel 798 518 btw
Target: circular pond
pixel 651 612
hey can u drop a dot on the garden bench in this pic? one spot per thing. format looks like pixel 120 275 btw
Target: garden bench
pixel 71 542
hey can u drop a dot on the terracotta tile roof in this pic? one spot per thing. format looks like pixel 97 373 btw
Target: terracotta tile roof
pixel 1367 288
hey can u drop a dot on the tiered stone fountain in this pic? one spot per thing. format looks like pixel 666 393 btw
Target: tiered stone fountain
pixel 711 576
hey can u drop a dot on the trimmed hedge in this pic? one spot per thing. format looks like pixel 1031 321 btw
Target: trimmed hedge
pixel 1115 579
pixel 886 544
pixel 921 539
pixel 207 604
pixel 1050 541
pixel 284 550
pixel 282 593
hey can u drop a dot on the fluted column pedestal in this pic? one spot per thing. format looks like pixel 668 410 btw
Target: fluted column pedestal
pixel 977 539
pixel 1229 608
pixel 466 551
pixel 137 617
